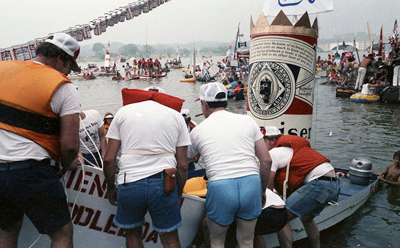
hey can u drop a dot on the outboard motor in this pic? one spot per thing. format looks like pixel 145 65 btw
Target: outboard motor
pixel 360 171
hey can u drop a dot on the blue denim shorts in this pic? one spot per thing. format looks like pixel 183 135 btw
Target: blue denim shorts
pixel 311 198
pixel 236 197
pixel 36 192
pixel 136 198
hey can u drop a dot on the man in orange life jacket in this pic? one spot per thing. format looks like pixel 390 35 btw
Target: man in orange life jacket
pixel 152 136
pixel 311 182
pixel 39 121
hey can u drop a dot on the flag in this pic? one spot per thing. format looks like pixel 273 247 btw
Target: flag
pixel 380 42
pixel 395 26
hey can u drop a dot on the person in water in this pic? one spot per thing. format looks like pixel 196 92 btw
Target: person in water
pixel 40 124
pixel 391 175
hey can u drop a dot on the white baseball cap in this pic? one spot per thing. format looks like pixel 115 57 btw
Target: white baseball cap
pixel 155 88
pixel 185 112
pixel 68 45
pixel 272 131
pixel 209 92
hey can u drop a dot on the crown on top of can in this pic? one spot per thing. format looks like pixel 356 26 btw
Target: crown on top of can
pixel 281 24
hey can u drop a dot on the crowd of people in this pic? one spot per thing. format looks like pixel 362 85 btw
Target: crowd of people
pixel 373 71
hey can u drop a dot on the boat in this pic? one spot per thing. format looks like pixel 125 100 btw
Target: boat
pixel 389 94
pixel 92 215
pixel 152 76
pixel 363 98
pixel 352 196
pixel 188 80
pixel 344 91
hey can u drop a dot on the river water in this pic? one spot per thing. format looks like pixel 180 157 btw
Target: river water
pixel 341 131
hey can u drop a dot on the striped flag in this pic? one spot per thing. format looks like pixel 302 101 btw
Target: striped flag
pixel 395 26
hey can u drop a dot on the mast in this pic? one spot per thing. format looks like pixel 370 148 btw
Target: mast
pixel 194 59
pixel 236 41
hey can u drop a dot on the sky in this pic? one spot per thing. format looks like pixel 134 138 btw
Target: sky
pixel 179 21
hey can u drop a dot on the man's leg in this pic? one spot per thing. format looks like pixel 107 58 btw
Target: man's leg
pixel 245 232
pixel 312 230
pixel 62 238
pixel 217 233
pixel 170 239
pixel 259 242
pixel 134 237
pixel 285 236
pixel 9 237
pixel 362 77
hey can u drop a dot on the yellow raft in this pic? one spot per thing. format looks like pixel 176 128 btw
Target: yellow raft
pixel 188 80
pixel 358 97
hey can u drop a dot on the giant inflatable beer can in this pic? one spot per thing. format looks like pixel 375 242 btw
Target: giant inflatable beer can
pixel 282 73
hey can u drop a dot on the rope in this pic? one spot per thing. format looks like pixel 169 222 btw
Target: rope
pixel 94 144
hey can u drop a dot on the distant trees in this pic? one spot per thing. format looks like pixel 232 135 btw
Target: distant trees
pixel 128 50
pixel 98 50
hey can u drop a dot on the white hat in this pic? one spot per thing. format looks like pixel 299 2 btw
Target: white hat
pixel 68 45
pixel 155 88
pixel 208 92
pixel 109 116
pixel 272 131
pixel 185 112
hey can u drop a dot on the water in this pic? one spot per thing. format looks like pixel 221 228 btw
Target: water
pixel 358 130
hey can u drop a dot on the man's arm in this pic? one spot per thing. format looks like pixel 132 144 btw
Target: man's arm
pixel 265 163
pixel 182 168
pixel 385 172
pixel 69 140
pixel 394 183
pixel 109 168
pixel 103 141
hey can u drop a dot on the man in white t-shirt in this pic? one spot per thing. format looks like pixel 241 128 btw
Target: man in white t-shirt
pixel 153 138
pixel 311 183
pixel 92 137
pixel 39 121
pixel 235 190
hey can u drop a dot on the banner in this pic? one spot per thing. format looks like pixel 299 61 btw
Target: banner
pixel 296 7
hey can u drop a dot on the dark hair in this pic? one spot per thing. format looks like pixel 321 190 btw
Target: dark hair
pixel 49 50
pixel 396 154
pixel 222 104
pixel 351 59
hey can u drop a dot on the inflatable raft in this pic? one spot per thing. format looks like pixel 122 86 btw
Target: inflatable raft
pixel 362 98
pixel 188 80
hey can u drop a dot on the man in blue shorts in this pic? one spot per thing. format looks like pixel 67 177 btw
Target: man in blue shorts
pixel 235 189
pixel 39 121
pixel 311 183
pixel 153 138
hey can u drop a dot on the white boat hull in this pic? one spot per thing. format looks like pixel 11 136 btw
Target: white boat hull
pixel 92 216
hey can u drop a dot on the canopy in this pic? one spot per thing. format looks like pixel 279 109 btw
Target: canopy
pixel 296 7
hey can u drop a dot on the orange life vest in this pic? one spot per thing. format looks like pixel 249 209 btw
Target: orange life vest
pixel 26 92
pixel 135 95
pixel 304 160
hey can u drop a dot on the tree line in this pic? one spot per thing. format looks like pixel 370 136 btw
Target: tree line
pixel 134 51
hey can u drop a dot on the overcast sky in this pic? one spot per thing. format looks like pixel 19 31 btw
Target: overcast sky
pixel 178 21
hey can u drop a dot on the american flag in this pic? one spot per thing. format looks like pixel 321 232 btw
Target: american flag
pixel 395 26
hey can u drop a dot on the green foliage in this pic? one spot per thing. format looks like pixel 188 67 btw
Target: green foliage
pixel 98 47
pixel 128 50
pixel 100 54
